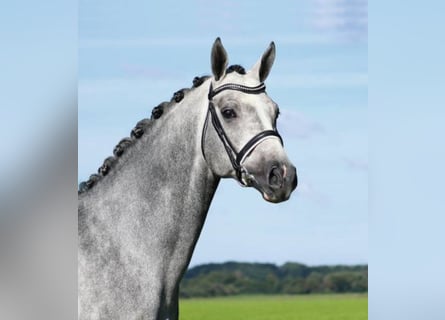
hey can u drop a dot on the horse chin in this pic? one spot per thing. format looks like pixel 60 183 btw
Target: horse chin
pixel 269 195
pixel 272 198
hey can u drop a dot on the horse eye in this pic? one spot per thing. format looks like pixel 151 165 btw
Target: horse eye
pixel 229 113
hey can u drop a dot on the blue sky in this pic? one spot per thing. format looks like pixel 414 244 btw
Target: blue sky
pixel 133 55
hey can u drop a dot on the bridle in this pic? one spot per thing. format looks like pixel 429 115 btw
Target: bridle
pixel 236 158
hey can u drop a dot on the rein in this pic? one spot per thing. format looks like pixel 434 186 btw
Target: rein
pixel 236 158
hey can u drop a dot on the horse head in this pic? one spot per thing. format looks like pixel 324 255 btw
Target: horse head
pixel 240 139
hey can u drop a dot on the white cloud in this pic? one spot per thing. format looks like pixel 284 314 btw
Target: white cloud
pixel 349 19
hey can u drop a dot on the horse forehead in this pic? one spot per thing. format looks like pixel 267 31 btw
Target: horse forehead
pixel 259 101
pixel 262 103
pixel 244 79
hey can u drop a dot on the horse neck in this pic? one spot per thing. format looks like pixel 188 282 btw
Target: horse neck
pixel 165 170
pixel 152 205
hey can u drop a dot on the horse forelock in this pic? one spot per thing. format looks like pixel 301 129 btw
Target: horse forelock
pixel 144 126
pixel 236 68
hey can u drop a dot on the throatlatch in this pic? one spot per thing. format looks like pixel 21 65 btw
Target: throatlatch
pixel 236 158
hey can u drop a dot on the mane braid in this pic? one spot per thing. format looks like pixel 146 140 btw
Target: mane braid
pixel 142 127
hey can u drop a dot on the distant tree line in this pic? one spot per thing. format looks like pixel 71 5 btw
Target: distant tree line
pixel 233 278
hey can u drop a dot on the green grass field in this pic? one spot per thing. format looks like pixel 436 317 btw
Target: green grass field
pixel 298 307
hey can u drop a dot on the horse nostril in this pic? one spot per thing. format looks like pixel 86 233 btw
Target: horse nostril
pixel 275 177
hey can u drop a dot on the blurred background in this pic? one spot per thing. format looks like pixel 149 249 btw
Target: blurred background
pixel 133 56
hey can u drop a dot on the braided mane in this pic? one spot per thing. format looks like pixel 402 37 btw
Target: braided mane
pixel 142 127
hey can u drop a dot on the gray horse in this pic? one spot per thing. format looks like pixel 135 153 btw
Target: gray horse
pixel 141 215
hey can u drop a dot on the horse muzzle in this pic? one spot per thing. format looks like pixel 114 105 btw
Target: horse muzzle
pixel 276 183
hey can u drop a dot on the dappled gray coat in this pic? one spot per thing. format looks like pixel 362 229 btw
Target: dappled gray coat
pixel 141 215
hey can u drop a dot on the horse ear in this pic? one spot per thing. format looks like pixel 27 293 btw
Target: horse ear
pixel 219 59
pixel 263 66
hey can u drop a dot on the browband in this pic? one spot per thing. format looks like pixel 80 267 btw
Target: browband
pixel 237 87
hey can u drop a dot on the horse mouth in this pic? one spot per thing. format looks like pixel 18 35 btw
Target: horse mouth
pixel 273 199
pixel 267 197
